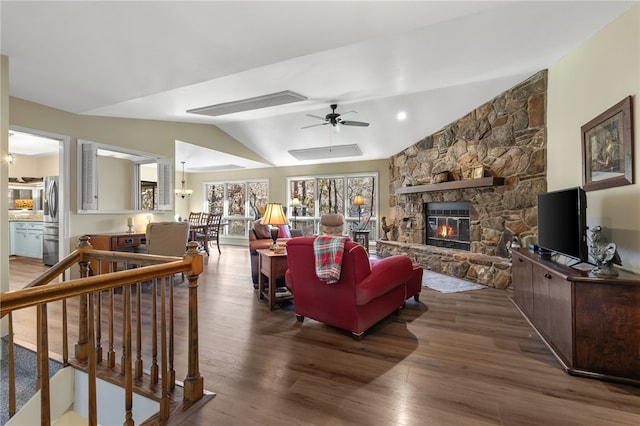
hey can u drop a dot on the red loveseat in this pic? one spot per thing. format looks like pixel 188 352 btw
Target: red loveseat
pixel 366 293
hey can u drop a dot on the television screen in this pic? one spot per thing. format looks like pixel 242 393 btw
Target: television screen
pixel 562 223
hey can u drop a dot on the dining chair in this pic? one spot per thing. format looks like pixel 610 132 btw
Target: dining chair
pixel 209 231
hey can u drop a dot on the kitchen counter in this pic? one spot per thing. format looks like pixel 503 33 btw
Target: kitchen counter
pixel 25 216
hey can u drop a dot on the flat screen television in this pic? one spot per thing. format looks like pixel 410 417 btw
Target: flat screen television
pixel 562 223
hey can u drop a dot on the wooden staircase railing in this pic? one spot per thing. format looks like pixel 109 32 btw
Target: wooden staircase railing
pixel 115 292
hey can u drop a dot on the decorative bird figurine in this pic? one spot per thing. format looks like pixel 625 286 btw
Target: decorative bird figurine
pixel 604 253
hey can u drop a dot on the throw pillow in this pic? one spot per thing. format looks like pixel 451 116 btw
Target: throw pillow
pixel 284 231
pixel 261 231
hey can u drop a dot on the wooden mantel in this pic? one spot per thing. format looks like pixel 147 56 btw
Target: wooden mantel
pixel 456 184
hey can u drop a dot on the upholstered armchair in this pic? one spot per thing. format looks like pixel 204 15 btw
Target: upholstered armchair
pixel 166 239
pixel 365 293
pixel 332 224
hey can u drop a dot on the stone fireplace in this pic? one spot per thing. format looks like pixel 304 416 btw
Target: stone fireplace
pixel 507 138
pixel 447 225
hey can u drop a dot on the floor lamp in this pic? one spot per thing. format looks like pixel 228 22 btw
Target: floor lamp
pixel 295 203
pixel 359 201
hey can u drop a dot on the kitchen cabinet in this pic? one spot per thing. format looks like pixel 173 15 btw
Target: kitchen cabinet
pixel 26 239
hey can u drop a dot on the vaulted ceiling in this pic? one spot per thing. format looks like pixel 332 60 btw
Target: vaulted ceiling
pixel 433 60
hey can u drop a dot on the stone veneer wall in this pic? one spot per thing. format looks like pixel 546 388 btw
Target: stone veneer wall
pixel 506 135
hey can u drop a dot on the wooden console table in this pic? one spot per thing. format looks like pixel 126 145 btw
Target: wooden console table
pixel 271 266
pixel 117 241
pixel 589 323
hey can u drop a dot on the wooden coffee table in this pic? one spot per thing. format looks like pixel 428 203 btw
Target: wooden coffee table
pixel 271 266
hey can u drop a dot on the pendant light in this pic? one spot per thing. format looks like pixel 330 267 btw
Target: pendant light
pixel 183 192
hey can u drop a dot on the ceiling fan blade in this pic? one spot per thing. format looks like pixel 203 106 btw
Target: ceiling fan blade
pixel 348 114
pixel 316 116
pixel 314 125
pixel 355 123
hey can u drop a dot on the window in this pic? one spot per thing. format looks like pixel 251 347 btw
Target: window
pixel 239 202
pixel 319 195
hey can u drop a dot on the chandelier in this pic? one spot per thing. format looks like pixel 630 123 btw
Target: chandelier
pixel 183 192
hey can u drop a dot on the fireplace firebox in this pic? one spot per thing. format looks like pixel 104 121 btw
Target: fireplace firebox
pixel 448 225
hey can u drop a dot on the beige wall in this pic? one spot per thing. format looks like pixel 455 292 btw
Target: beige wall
pixel 115 183
pixel 34 166
pixel 592 78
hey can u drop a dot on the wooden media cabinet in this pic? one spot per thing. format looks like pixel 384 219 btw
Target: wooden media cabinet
pixel 591 324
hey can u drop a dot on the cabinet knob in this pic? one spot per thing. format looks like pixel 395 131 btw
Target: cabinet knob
pixel 547 276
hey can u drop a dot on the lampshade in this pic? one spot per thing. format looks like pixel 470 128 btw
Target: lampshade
pixel 274 215
pixel 358 200
pixel 295 202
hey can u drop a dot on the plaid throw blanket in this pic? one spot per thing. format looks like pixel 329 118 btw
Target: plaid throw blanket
pixel 328 251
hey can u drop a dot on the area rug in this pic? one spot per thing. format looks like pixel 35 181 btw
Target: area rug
pixel 446 284
pixel 26 376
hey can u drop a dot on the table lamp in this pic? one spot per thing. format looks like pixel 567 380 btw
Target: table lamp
pixel 359 201
pixel 295 203
pixel 274 216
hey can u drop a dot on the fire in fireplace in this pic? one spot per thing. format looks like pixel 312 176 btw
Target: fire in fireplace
pixel 448 225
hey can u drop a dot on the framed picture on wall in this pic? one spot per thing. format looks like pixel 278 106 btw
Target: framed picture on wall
pixel 607 148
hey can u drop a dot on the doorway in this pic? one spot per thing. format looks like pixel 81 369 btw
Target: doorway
pixel 36 155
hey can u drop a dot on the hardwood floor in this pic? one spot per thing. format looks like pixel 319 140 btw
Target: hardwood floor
pixel 453 359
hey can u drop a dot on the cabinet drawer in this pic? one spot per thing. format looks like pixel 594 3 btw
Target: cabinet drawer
pixel 131 241
pixel 28 225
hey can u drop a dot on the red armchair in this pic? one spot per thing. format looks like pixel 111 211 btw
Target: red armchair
pixel 365 294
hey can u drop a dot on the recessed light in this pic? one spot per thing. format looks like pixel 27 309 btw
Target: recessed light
pixel 401 116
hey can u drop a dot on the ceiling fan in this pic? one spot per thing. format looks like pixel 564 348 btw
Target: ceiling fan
pixel 335 119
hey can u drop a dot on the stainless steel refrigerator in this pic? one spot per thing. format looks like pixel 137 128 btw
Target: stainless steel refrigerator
pixel 50 228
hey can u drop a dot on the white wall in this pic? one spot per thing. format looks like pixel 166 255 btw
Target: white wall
pixel 595 76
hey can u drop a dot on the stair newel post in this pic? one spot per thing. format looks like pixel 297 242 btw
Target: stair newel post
pixel 82 346
pixel 43 365
pixel 194 382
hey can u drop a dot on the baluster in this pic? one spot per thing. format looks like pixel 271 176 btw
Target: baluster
pixel 12 370
pixel 123 358
pixel 165 405
pixel 43 365
pixel 126 359
pixel 65 330
pixel 92 403
pixel 153 373
pixel 139 363
pixel 172 372
pixel 98 324
pixel 111 354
